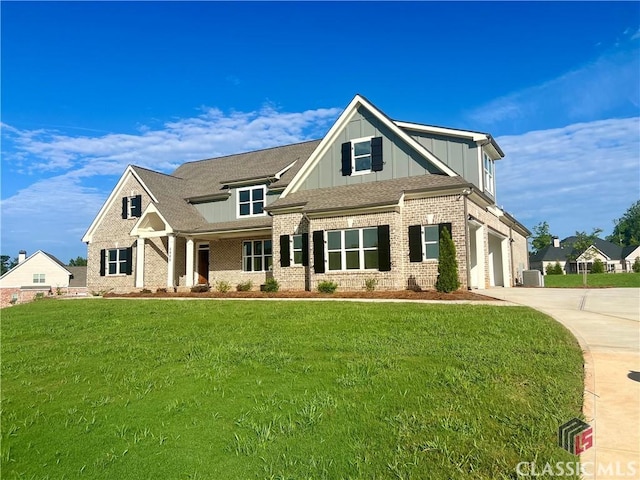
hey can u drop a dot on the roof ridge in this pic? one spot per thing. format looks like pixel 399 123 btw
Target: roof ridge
pixel 250 151
pixel 155 171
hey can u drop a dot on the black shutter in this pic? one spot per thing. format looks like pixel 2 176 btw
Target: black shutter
pixel 346 159
pixel 318 251
pixel 376 154
pixel 129 265
pixel 384 249
pixel 125 207
pixel 136 206
pixel 415 243
pixel 103 262
pixel 305 249
pixel 441 227
pixel 285 257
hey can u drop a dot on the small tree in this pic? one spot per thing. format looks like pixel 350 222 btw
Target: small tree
pixel 636 265
pixel 447 264
pixel 555 269
pixel 541 237
pixel 78 262
pixel 597 266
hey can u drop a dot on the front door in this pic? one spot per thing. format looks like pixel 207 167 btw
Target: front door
pixel 203 266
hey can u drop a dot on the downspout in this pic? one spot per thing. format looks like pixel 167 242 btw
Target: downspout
pixel 514 281
pixel 467 249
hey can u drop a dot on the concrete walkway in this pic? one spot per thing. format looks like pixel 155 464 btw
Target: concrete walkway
pixel 606 322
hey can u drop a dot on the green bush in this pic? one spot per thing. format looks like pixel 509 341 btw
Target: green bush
pixel 223 286
pixel 370 284
pixel 271 285
pixel 327 286
pixel 447 264
pixel 200 288
pixel 598 266
pixel 555 269
pixel 636 265
pixel 244 286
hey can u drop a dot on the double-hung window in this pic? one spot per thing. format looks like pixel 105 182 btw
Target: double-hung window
pixel 424 241
pixel 362 155
pixel 296 249
pixel 353 249
pixel 132 206
pixel 38 278
pixel 257 256
pixel 431 236
pixel 251 201
pixel 488 174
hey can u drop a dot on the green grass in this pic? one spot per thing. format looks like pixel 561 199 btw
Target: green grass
pixel 147 389
pixel 593 280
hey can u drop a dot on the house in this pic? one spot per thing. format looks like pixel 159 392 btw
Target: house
pixel 40 274
pixel 614 257
pixel 370 200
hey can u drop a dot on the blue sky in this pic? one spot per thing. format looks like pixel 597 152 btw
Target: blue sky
pixel 88 88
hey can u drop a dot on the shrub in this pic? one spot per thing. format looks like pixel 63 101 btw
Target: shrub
pixel 244 286
pixel 200 288
pixel 271 285
pixel 145 290
pixel 39 296
pixel 223 286
pixel 327 286
pixel 555 269
pixel 636 265
pixel 598 266
pixel 370 284
pixel 161 290
pixel 447 264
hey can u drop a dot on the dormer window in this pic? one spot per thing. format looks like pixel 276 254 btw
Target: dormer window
pixel 489 185
pixel 361 156
pixel 251 201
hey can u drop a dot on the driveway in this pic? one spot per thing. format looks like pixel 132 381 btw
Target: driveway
pixel 606 322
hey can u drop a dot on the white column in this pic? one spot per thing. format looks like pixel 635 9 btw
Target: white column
pixel 171 253
pixel 189 262
pixel 507 274
pixel 140 262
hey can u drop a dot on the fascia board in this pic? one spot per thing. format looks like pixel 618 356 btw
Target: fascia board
pixel 88 236
pixel 475 136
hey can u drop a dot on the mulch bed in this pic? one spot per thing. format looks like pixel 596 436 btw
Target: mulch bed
pixel 400 294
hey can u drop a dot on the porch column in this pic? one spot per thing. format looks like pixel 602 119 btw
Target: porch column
pixel 189 263
pixel 140 262
pixel 171 249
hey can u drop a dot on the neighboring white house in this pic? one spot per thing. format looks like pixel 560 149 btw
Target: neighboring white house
pixel 40 274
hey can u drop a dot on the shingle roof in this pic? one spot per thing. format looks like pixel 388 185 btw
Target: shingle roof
pixel 566 250
pixel 243 224
pixel 210 176
pixel 364 194
pixel 79 276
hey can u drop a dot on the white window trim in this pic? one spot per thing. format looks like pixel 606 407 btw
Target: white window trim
pixel 488 176
pixel 252 256
pixel 353 156
pixel 292 250
pixel 117 262
pixel 343 251
pixel 39 278
pixel 250 189
pixel 424 242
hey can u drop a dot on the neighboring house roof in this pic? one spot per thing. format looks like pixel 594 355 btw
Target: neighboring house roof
pixel 630 250
pixel 566 251
pixel 78 276
pixel 39 252
pixel 387 192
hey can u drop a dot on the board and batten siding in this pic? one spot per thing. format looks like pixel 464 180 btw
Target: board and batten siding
pixel 400 160
pixel 226 210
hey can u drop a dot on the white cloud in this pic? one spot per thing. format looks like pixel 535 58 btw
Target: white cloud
pixel 607 87
pixel 69 177
pixel 577 177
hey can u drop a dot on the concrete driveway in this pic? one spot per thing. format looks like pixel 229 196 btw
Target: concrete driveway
pixel 606 322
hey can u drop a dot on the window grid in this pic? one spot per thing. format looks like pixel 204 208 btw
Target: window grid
pixel 117 261
pixel 257 256
pixel 38 278
pixel 353 249
pixel 251 201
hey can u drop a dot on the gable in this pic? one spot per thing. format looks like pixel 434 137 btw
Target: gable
pixel 56 274
pixel 402 156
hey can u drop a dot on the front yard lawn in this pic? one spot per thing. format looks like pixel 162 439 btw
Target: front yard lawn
pixel 593 280
pixel 210 389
